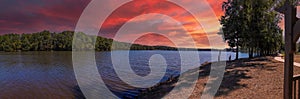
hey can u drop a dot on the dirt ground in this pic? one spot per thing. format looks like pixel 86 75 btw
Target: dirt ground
pixel 257 78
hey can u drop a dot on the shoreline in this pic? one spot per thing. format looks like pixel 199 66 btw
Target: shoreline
pixel 224 50
pixel 258 77
pixel 152 91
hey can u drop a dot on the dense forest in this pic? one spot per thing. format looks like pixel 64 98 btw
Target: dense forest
pixel 47 41
pixel 250 25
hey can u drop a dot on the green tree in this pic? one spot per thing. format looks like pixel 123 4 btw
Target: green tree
pixel 250 25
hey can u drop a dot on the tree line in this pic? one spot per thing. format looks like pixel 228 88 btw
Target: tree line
pixel 251 26
pixel 48 41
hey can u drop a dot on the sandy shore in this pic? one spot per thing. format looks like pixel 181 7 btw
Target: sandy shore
pixel 246 78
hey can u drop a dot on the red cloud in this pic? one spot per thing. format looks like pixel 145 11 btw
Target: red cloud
pixel 128 11
pixel 153 38
pixel 34 16
pixel 60 15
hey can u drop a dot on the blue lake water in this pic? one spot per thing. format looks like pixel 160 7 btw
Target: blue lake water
pixel 51 75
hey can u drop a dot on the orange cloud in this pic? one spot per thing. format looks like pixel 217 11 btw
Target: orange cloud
pixel 153 38
pixel 191 26
pixel 60 15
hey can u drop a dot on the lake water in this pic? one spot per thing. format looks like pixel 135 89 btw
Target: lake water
pixel 51 75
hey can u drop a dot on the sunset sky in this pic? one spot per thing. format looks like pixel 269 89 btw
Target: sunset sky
pixel 27 16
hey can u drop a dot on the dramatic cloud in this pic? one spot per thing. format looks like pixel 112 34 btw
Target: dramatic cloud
pixel 148 19
pixel 17 16
pixel 152 38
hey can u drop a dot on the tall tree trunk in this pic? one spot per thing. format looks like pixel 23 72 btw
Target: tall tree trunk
pixel 237 53
pixel 250 52
pixel 237 50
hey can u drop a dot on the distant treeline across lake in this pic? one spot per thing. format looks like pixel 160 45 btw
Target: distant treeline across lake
pixel 47 41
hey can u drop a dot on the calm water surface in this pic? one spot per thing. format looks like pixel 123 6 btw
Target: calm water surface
pixel 50 74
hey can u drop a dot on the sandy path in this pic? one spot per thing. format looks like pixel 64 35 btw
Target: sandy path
pixel 258 78
pixel 282 60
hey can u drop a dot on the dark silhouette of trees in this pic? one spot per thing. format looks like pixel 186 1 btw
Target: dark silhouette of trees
pixel 47 41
